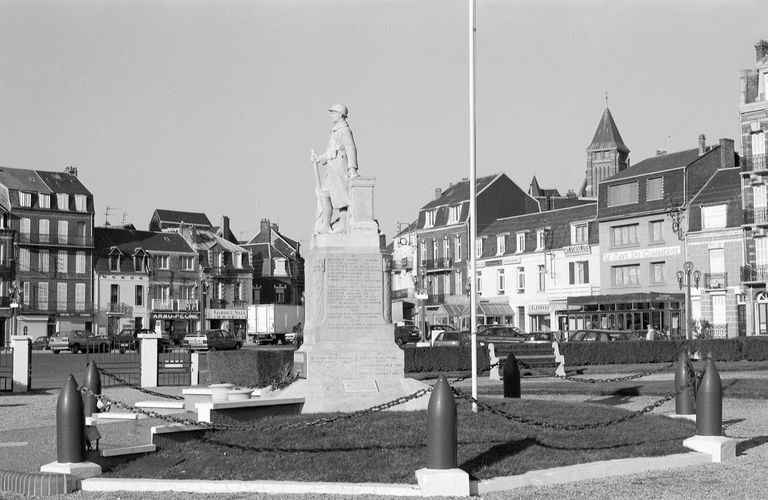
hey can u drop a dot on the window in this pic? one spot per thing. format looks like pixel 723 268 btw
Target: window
pixel 458 289
pixel 446 247
pixel 479 247
pixel 44 259
pixel 501 244
pixel 80 262
pixel 187 292
pixel 79 296
pixel 760 196
pixel 63 232
pixel 520 239
pixel 654 189
pixel 139 295
pixel 761 251
pixel 520 280
pixel 23 259
pixel 61 261
pixel 624 235
pixel 479 283
pixel 454 214
pixel 187 263
pixel 713 216
pixel 25 225
pixel 114 294
pixel 541 239
pixel 42 296
pixel 501 284
pixel 80 228
pixel 758 143
pixel 718 309
pixel 657 272
pixel 44 200
pixel 61 296
pixel 161 292
pixel 579 234
pixel 62 201
pixel 162 261
pixel 622 194
pixel 542 278
pixel 26 291
pixel 280 294
pixel 423 251
pixel 457 248
pixel 25 199
pixel 80 203
pixel 578 272
pixel 431 215
pixel 280 267
pixel 655 228
pixel 44 230
pixel 139 262
pixel 626 275
pixel 114 262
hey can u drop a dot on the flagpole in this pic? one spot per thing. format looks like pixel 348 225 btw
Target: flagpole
pixel 472 204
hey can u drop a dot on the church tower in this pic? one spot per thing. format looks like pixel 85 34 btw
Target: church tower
pixel 607 155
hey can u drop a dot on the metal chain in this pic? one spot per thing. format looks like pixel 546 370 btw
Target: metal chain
pixel 573 427
pixel 137 387
pixel 617 379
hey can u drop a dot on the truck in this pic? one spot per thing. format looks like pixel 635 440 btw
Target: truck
pixel 274 323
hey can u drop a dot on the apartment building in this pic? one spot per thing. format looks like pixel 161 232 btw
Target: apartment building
pixel 278 267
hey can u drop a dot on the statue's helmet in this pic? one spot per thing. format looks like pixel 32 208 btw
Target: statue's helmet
pixel 339 108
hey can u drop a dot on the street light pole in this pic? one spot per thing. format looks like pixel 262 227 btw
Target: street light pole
pixel 684 277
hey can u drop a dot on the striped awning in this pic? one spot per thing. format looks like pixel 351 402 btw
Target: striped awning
pixel 485 309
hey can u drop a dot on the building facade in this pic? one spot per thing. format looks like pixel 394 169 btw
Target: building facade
pixel 278 267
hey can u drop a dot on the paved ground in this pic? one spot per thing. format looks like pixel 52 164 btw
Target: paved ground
pixel 27 441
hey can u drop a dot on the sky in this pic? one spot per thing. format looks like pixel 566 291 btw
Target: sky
pixel 213 106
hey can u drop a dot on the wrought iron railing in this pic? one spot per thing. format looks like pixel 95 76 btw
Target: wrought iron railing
pixel 440 263
pixel 754 163
pixel 405 293
pixel 719 331
pixel 715 280
pixel 54 239
pixel 754 273
pixel 757 215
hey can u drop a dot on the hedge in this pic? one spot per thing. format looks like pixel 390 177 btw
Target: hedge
pixel 443 359
pixel 249 368
pixel 661 351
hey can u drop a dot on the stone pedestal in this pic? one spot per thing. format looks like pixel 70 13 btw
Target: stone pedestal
pixel 349 360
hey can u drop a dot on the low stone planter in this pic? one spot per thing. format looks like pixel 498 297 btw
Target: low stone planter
pixel 239 394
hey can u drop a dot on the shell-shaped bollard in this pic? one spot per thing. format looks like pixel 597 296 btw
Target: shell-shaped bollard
pixel 442 448
pixel 70 424
pixel 685 402
pixel 92 382
pixel 511 377
pixel 709 402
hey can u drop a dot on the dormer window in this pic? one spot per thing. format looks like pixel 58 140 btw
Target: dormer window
pixel 622 194
pixel 454 214
pixel 80 203
pixel 520 240
pixel 541 239
pixel 479 247
pixel 139 263
pixel 714 216
pixel 431 216
pixel 579 233
pixel 654 189
pixel 44 200
pixel 62 201
pixel 114 262
pixel 501 244
pixel 25 199
pixel 280 268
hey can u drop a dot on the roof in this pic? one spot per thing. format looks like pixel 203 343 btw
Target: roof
pixel 459 192
pixel 128 240
pixel 61 182
pixel 41 181
pixel 607 135
pixel 661 163
pixel 724 185
pixel 177 216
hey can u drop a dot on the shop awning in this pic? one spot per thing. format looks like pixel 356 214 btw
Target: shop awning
pixel 495 310
pixel 453 310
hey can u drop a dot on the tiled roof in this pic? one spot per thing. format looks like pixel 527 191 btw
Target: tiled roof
pixel 661 163
pixel 61 182
pixel 725 185
pixel 177 216
pixel 40 181
pixel 459 192
pixel 128 240
pixel 607 135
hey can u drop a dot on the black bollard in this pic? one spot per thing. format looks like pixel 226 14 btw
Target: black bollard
pixel 511 377
pixel 709 402
pixel 91 382
pixel 442 451
pixel 685 401
pixel 70 424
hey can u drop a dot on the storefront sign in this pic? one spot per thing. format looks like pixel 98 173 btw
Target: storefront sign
pixel 584 249
pixel 510 260
pixel 538 308
pixel 174 315
pixel 226 313
pixel 641 253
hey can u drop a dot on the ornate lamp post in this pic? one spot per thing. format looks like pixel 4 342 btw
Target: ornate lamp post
pixel 684 278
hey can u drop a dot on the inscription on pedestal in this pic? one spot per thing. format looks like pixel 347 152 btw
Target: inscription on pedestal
pixel 378 365
pixel 360 386
pixel 353 290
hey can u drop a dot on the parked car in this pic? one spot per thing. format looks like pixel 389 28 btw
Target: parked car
pixel 500 334
pixel 452 338
pixel 127 340
pixel 40 344
pixel 435 330
pixel 406 334
pixel 213 340
pixel 541 337
pixel 602 336
pixel 78 341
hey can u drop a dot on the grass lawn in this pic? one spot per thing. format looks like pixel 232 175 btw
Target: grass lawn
pixel 390 446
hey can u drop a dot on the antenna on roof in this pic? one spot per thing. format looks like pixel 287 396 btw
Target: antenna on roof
pixel 107 211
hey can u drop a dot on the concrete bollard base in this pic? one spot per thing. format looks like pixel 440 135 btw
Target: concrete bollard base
pixel 443 482
pixel 79 470
pixel 691 417
pixel 720 447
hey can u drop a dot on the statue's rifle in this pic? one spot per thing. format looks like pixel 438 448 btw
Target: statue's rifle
pixel 318 186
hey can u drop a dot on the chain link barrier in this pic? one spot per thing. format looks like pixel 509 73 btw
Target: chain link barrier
pixel 618 379
pixel 576 427
pixel 137 387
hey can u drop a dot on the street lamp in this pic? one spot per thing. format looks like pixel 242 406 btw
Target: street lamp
pixel 684 278
pixel 421 295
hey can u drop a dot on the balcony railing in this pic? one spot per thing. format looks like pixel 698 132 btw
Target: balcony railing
pixel 117 308
pixel 162 304
pixel 719 331
pixel 404 264
pixel 55 239
pixel 754 163
pixel 434 299
pixel 174 305
pixel 757 215
pixel 405 293
pixel 715 280
pixel 239 304
pixel 187 305
pixel 754 273
pixel 439 264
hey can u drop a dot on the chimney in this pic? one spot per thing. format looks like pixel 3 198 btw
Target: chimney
pixel 438 193
pixel 224 226
pixel 265 226
pixel 702 144
pixel 274 228
pixel 761 50
pixel 727 159
pixel 71 171
pixel 661 152
pixel 571 194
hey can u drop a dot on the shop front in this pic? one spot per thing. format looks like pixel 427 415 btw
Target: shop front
pixel 539 315
pixel 232 320
pixel 177 324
